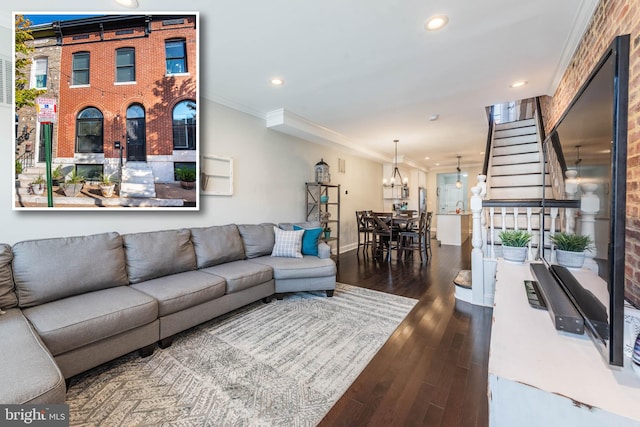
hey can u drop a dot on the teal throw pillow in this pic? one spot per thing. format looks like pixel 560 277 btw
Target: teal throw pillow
pixel 310 240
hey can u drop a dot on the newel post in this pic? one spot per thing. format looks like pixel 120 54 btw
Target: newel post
pixel 483 194
pixel 589 207
pixel 477 256
pixel 570 190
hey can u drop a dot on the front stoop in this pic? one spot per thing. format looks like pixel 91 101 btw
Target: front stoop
pixel 137 181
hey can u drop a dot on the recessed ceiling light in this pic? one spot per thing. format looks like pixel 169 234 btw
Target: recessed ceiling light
pixel 482 152
pixel 519 83
pixel 277 81
pixel 427 158
pixel 437 164
pixel 436 22
pixel 131 4
pixel 434 117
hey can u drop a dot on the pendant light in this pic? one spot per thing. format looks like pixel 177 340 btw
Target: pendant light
pixel 458 182
pixel 396 176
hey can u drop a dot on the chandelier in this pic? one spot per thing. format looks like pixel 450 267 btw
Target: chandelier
pixel 396 176
pixel 458 182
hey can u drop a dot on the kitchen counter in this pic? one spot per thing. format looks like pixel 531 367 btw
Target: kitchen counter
pixel 453 228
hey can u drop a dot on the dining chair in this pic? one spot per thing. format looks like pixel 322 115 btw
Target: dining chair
pixel 364 223
pixel 384 236
pixel 415 239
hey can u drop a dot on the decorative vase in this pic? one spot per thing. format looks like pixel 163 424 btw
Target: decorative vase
pixel 570 259
pixel 514 254
pixel 324 199
pixel 327 234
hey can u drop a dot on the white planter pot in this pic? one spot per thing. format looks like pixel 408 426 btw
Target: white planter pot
pixel 514 254
pixel 107 190
pixel 570 259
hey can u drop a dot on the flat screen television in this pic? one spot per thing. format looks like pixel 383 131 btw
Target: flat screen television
pixel 591 138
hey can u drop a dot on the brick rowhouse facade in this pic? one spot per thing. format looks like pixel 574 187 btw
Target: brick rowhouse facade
pixel 611 18
pixel 153 89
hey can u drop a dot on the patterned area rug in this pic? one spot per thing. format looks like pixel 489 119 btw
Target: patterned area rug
pixel 279 364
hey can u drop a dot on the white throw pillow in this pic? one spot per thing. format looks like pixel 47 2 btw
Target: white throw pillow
pixel 288 243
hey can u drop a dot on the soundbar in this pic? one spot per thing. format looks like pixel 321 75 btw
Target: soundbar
pixel 563 313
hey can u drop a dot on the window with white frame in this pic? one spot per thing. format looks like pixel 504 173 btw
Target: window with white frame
pixel 125 65
pixel 39 73
pixel 80 68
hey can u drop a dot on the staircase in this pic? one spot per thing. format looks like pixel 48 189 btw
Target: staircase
pixel 137 181
pixel 26 177
pixel 516 167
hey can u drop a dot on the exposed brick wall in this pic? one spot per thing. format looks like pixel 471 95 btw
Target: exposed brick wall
pixel 611 18
pixel 157 93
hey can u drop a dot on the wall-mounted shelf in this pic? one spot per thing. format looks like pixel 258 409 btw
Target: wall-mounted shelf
pixel 216 176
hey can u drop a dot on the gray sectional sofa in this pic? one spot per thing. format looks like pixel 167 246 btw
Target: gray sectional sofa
pixel 70 304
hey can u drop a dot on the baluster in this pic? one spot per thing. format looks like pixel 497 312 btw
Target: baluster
pixel 589 207
pixel 553 214
pixel 570 190
pixel 483 192
pixel 529 253
pixel 515 218
pixel 503 212
pixel 492 212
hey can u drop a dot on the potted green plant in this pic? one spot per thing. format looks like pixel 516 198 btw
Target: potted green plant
pixel 107 186
pixel 570 248
pixel 57 176
pixel 187 177
pixel 38 185
pixel 327 232
pixel 514 244
pixel 73 185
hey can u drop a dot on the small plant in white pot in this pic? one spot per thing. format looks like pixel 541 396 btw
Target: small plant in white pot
pixel 570 248
pixel 38 185
pixel 73 186
pixel 106 185
pixel 514 245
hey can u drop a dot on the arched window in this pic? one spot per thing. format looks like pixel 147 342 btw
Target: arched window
pixel 184 125
pixel 89 134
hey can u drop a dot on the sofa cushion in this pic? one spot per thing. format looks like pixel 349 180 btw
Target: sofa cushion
pixel 158 253
pixel 294 268
pixel 28 372
pixel 50 269
pixel 306 224
pixel 310 239
pixel 217 245
pixel 73 322
pixel 8 297
pixel 241 275
pixel 288 243
pixel 183 290
pixel 258 239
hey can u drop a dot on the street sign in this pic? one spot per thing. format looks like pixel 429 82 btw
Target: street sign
pixel 47 109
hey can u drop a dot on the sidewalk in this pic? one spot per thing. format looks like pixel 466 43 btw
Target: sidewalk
pixel 167 195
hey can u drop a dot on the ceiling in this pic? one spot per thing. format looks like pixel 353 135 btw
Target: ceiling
pixel 361 73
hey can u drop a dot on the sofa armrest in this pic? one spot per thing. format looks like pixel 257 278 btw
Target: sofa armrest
pixel 324 250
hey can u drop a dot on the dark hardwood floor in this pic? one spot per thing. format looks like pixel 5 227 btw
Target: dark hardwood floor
pixel 433 369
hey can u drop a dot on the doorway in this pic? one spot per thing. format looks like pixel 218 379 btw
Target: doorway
pixel 136 134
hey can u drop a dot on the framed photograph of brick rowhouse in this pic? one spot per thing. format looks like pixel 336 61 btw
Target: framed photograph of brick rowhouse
pixel 106 111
